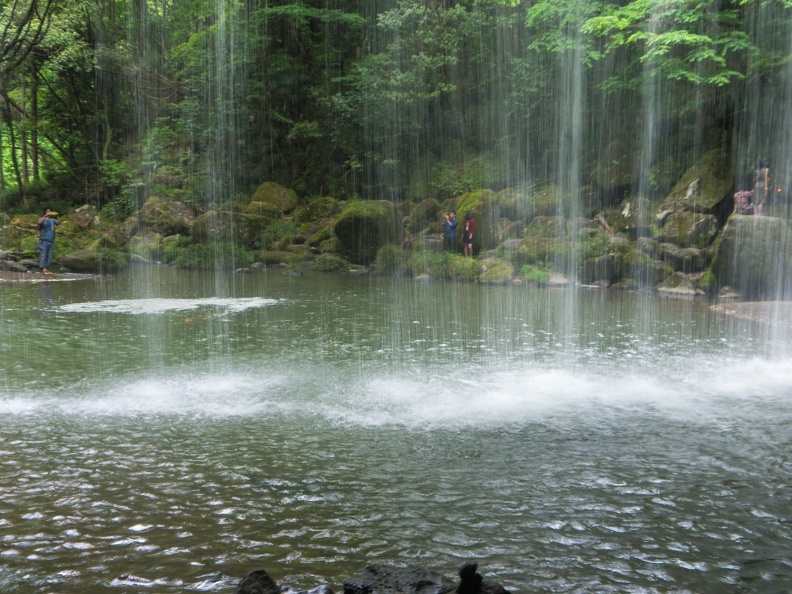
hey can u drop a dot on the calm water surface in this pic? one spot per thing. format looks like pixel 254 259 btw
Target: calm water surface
pixel 169 432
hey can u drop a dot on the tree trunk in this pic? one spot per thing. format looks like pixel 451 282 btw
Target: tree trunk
pixel 23 144
pixel 34 144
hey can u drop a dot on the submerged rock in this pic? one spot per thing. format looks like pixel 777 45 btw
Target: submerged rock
pixel 387 579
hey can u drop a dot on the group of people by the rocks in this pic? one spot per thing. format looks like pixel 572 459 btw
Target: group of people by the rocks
pixel 752 202
pixel 450 225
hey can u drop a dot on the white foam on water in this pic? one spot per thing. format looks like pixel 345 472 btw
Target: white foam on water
pixel 176 393
pixel 161 305
pixel 703 390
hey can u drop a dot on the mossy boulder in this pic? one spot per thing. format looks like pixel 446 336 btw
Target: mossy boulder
pixel 85 217
pixel 242 228
pixel 497 272
pixel 94 259
pixel 422 214
pixel 263 209
pixel 683 259
pixel 705 187
pixel 276 195
pixel 687 228
pixel 147 243
pixel 166 216
pixel 365 226
pixel 679 284
pixel 319 208
pixel 754 255
pixel 12 236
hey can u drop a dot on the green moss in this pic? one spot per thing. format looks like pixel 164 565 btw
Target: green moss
pixel 534 275
pixel 463 268
pixel 497 272
pixel 391 259
pixel 428 262
pixel 277 235
pixel 319 208
pixel 276 195
pixel 330 263
pixel 221 254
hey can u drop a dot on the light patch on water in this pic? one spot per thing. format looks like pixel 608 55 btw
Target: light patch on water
pixel 178 393
pixel 160 306
pixel 700 390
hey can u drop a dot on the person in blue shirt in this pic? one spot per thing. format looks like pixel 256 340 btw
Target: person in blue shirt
pixel 46 242
pixel 449 234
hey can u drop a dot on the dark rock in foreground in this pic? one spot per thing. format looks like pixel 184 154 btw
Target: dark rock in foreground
pixel 260 582
pixel 471 582
pixel 257 582
pixel 385 579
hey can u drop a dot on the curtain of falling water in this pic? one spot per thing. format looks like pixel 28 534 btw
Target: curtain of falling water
pixel 571 106
pixel 223 93
pixel 763 134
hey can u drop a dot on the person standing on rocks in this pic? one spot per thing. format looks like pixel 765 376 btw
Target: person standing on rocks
pixel 46 242
pixel 468 234
pixel 449 233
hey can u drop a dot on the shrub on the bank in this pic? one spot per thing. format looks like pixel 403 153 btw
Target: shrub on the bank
pixel 390 260
pixel 220 254
pixel 277 235
pixel 462 268
pixel 534 275
pixel 330 263
pixel 429 262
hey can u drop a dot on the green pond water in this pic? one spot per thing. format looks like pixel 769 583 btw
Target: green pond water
pixel 165 431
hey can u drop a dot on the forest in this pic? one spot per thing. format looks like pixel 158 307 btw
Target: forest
pixel 105 102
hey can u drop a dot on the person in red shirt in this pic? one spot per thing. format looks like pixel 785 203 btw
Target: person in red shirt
pixel 468 234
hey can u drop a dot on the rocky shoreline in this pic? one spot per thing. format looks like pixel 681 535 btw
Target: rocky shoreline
pixel 687 244
pixel 384 579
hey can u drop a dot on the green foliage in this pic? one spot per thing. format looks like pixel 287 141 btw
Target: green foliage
pixel 219 254
pixel 594 245
pixel 429 262
pixel 318 208
pixel 277 235
pixel 391 259
pixel 463 268
pixel 534 275
pixel 330 263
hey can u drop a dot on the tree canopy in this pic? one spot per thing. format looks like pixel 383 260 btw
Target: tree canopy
pixel 379 99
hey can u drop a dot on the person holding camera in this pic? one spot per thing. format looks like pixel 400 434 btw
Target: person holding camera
pixel 449 231
pixel 46 242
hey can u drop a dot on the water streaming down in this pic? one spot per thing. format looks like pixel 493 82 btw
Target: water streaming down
pixel 169 431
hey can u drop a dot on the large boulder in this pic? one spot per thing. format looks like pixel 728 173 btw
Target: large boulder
pixel 425 212
pixel 687 228
pixel 166 216
pixel 705 187
pixel 276 195
pixel 84 217
pixel 240 228
pixel 754 255
pixel 319 208
pixel 93 259
pixel 12 237
pixel 365 226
